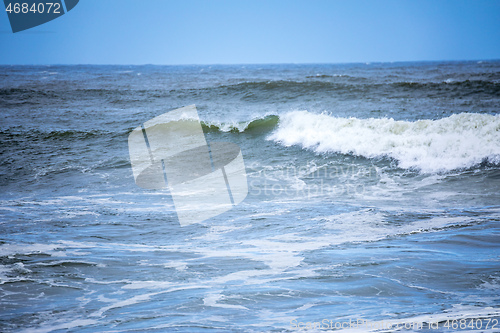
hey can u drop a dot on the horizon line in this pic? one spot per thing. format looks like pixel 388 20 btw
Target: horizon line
pixel 256 63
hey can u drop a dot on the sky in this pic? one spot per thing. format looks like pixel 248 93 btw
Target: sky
pixel 171 32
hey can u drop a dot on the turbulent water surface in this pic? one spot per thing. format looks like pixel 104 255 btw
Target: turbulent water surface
pixel 374 194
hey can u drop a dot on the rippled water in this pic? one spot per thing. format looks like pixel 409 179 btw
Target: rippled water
pixel 373 194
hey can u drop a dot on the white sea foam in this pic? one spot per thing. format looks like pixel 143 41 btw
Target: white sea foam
pixel 212 300
pixel 460 141
pixel 13 249
pixel 61 326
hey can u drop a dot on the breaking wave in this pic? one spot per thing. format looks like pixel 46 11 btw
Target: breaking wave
pixel 458 142
pixel 262 124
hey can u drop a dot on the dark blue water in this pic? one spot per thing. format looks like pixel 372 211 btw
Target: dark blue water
pixel 374 194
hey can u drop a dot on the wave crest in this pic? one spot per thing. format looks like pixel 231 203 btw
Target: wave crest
pixel 460 141
pixel 263 124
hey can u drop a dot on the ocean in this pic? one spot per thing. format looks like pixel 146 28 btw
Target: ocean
pixel 373 200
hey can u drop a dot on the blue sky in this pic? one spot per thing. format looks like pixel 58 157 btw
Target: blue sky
pixel 258 31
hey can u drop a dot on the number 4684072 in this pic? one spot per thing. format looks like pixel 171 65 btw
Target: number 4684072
pixel 47 8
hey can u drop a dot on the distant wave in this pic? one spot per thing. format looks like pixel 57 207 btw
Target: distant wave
pixel 30 134
pixel 326 76
pixel 257 90
pixel 460 141
pixel 488 85
pixel 317 82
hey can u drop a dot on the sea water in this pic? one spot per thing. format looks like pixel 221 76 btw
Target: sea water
pixel 373 196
